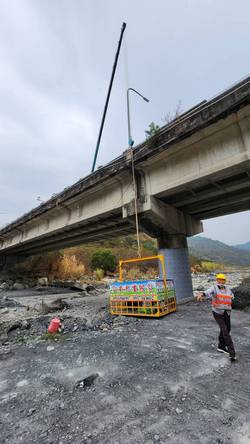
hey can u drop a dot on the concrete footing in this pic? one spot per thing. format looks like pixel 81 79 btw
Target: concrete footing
pixel 175 251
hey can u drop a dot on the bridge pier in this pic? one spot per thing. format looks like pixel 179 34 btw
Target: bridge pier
pixel 8 262
pixel 174 248
pixel 170 227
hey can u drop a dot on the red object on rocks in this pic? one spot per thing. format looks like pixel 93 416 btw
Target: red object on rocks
pixel 54 325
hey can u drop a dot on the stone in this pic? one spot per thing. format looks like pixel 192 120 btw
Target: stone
pixel 178 411
pixel 50 348
pixel 25 325
pixel 4 286
pixel 88 381
pixel 31 411
pixel 4 311
pixel 90 288
pixel 18 286
pixel 43 434
pixel 241 296
pixel 156 438
pixel 56 305
pixel 43 282
pixel 14 326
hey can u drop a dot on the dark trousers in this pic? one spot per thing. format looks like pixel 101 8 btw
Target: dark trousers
pixel 225 340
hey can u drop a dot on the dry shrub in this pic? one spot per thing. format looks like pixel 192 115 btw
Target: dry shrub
pixel 70 268
pixel 135 272
pixel 99 274
pixel 208 267
pixel 40 265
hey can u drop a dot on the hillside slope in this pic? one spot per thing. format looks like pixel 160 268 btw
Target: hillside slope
pixel 245 246
pixel 212 250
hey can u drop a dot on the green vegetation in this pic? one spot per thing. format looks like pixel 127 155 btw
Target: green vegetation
pixel 200 266
pixel 153 129
pixel 104 260
pixel 86 260
pixel 207 266
pixel 52 336
pixel 98 258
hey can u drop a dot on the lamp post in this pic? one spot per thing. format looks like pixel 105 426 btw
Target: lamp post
pixel 130 140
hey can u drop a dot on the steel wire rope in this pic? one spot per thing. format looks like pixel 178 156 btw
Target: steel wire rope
pixel 126 72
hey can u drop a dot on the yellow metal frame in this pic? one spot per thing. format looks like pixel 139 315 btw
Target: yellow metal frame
pixel 136 308
pixel 143 307
pixel 160 257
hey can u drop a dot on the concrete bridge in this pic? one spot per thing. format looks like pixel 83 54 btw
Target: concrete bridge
pixel 196 167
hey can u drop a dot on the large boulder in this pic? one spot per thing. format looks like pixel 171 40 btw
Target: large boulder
pixel 56 305
pixel 241 296
pixel 43 282
pixel 4 286
pixel 74 285
pixel 18 286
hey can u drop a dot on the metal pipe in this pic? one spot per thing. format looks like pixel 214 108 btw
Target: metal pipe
pixel 108 96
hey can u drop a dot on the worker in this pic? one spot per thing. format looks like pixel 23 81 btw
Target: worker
pixel 221 297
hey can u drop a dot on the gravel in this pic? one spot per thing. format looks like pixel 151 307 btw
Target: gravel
pixel 120 380
pixel 148 381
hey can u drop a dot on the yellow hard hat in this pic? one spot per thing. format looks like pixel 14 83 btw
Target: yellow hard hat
pixel 221 276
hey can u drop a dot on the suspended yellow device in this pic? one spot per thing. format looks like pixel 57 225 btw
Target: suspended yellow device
pixel 151 297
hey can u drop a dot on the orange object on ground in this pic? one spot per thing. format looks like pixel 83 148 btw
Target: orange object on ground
pixel 54 325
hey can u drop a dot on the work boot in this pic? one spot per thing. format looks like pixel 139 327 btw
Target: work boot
pixel 222 350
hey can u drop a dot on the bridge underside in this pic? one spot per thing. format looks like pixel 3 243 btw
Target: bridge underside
pixel 214 197
pixel 98 228
pixel 196 168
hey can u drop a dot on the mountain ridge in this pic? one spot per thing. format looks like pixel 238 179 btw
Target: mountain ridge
pixel 216 251
pixel 245 246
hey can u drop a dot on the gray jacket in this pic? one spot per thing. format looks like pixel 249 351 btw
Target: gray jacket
pixel 213 291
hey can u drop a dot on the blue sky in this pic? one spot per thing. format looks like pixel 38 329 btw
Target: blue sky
pixel 55 64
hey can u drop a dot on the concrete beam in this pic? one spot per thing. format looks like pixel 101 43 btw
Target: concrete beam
pixel 159 219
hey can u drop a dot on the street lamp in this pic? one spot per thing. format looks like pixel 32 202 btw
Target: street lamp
pixel 130 140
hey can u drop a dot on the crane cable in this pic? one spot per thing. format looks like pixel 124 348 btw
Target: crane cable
pixel 136 206
pixel 131 152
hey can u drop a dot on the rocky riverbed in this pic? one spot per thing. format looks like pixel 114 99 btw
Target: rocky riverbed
pixel 117 380
pixel 128 381
pixel 201 281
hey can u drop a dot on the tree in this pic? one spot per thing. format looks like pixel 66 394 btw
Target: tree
pixel 153 129
pixel 104 260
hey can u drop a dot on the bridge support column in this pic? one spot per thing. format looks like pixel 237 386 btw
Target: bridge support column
pixel 8 262
pixel 175 251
